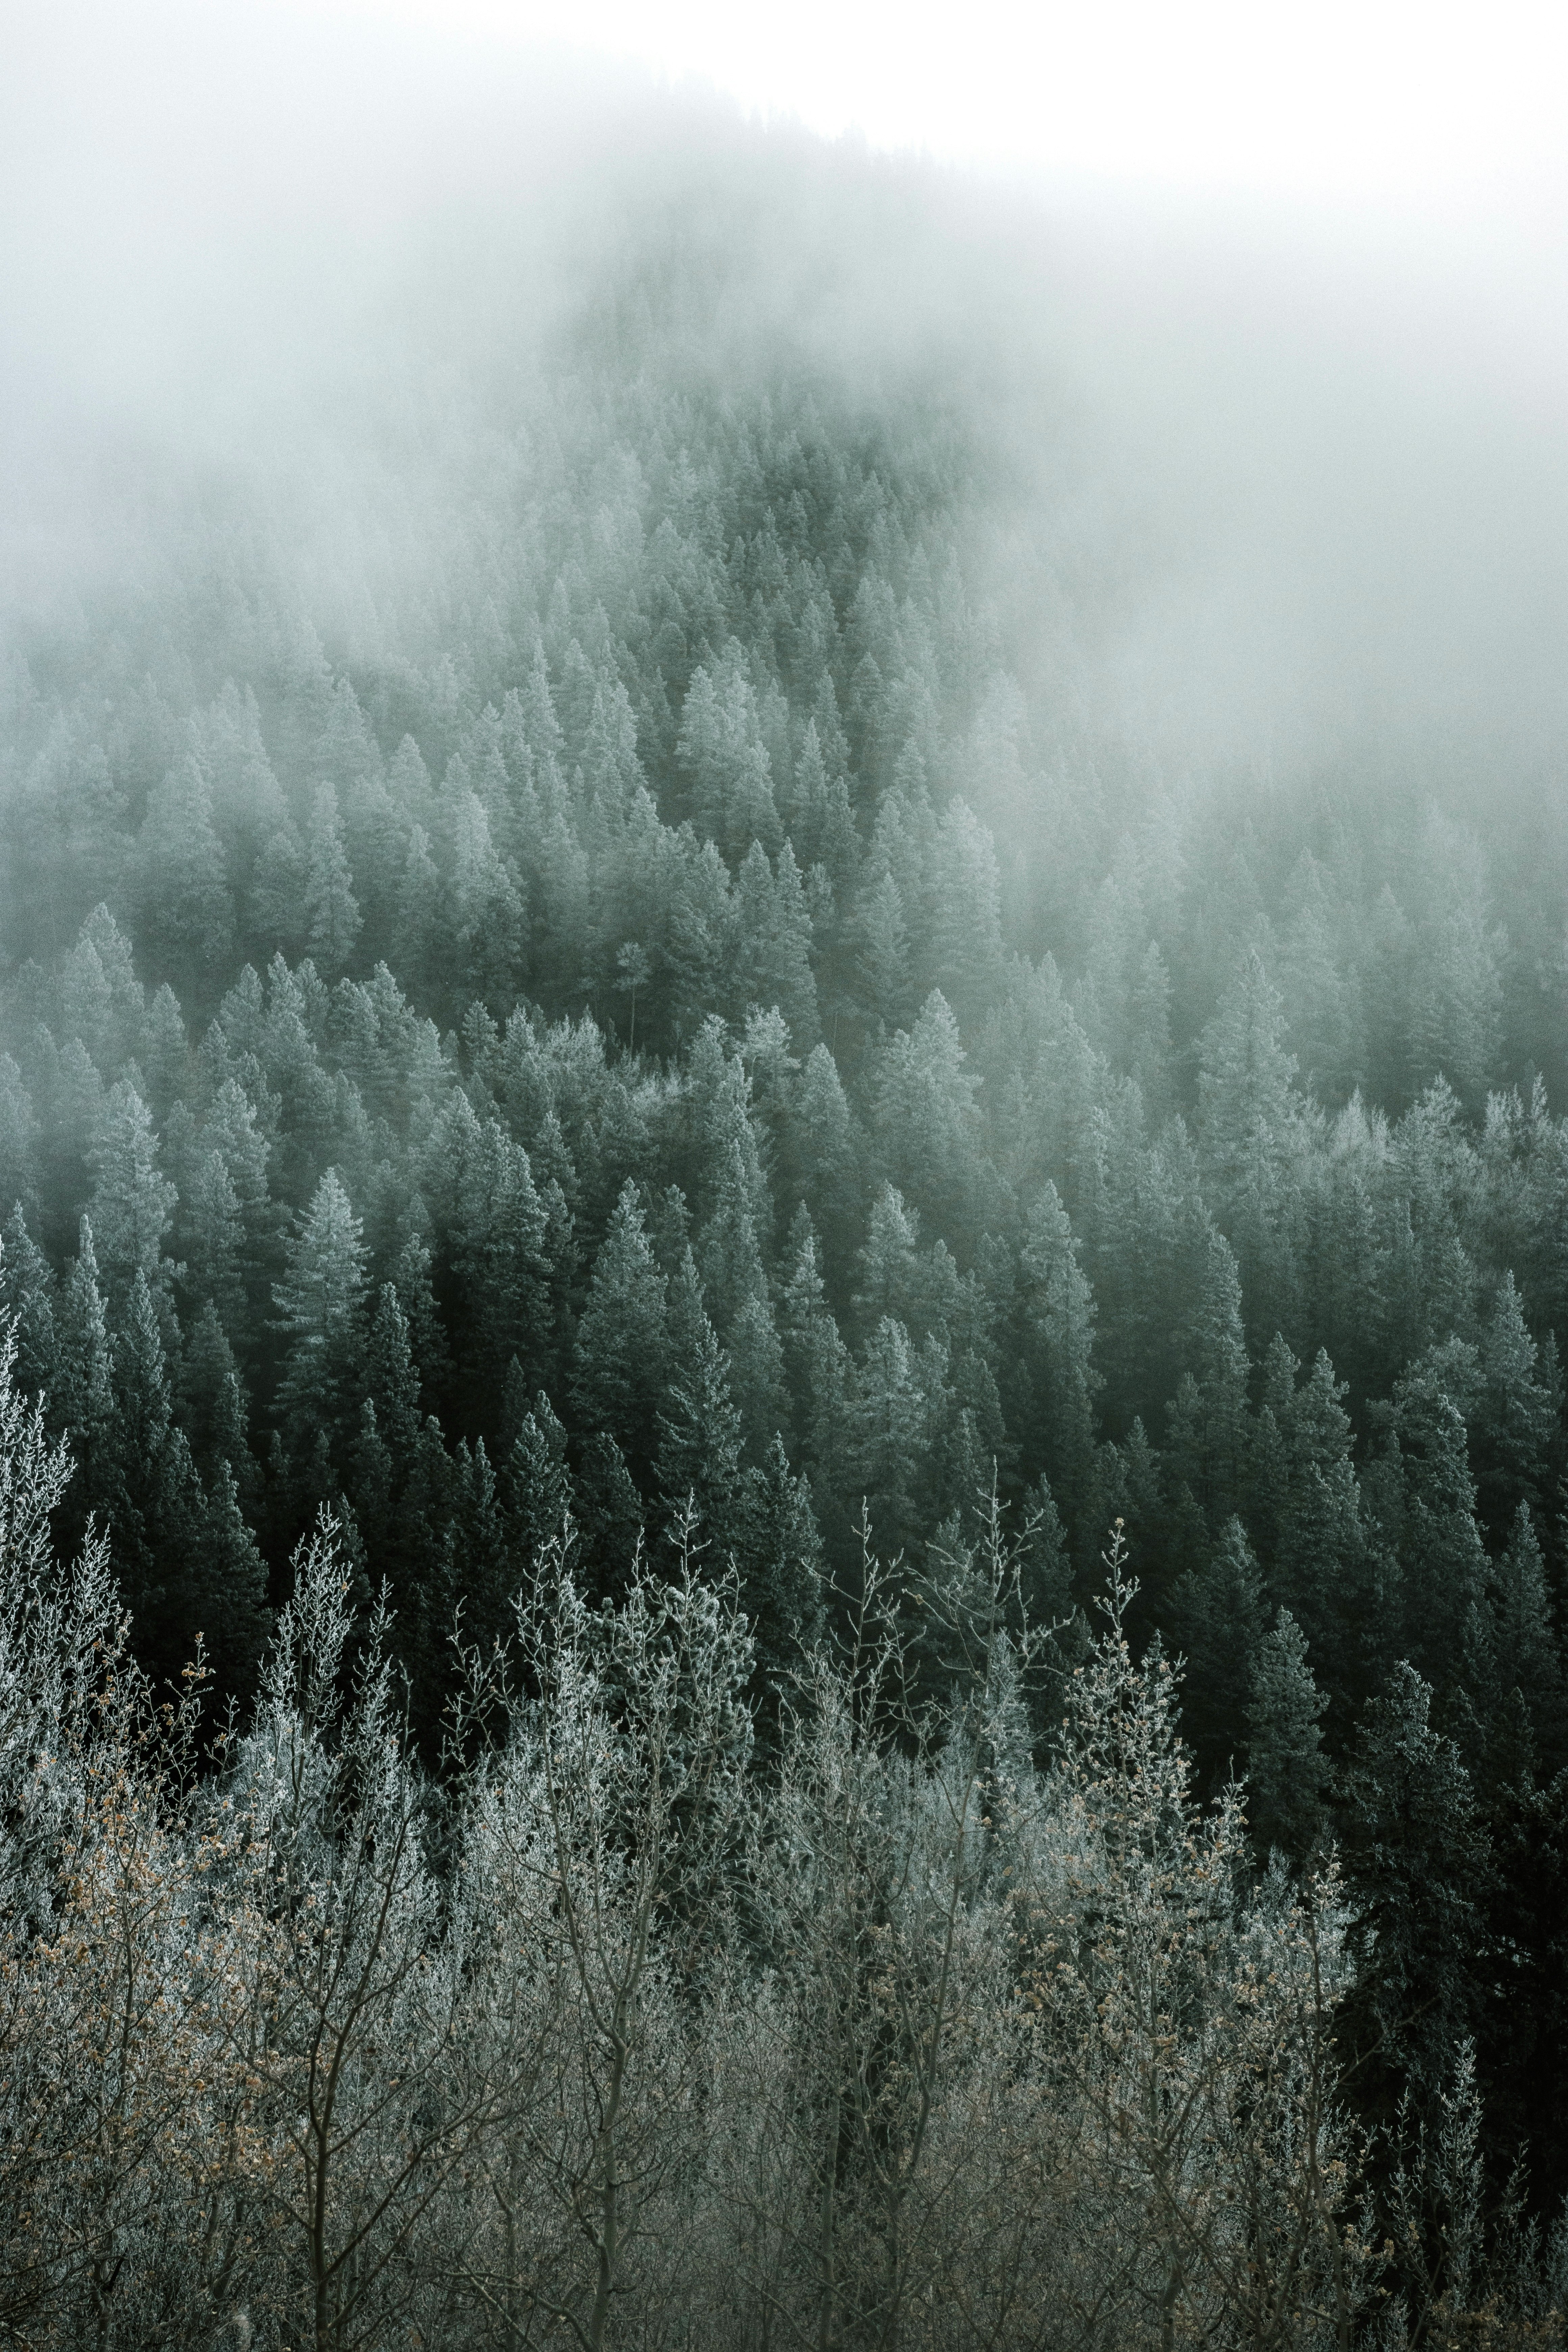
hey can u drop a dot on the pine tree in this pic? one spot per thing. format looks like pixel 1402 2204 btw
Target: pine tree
pixel 229 1595
pixel 887 981
pixel 536 1486
pixel 158 1515
pixel 817 1364
pixel 187 916
pixel 132 1203
pixel 479 1570
pixel 333 920
pixel 1515 1420
pixel 1426 1499
pixel 27 1301
pixel 821 1170
pixel 772 959
pixel 391 1375
pixel 320 1304
pixel 1417 1860
pixel 1286 1771
pixel 212 1234
pixel 967 937
pixel 700 1429
pixel 927 1124
pixel 1323 1564
pixel 1525 1640
pixel 723 755
pixel 1059 1317
pixel 1209 1436
pixel 779 1553
pixel 1250 1116
pixel 609 1518
pixel 213 1406
pixel 83 1397
pixel 891 1433
pixel 618 1361
pixel 490 920
pixel 18 1139
pixel 1218 1614
pixel 278 914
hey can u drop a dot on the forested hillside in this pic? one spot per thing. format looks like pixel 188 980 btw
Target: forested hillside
pixel 637 993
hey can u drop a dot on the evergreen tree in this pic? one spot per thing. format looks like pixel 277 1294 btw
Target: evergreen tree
pixel 1417 1858
pixel 1425 1498
pixel 27 1301
pixel 333 918
pixel 480 1571
pixel 1524 1638
pixel 320 1306
pixel 619 1356
pixel 213 1405
pixel 158 1515
pixel 890 1418
pixel 928 1126
pixel 887 980
pixel 1249 1116
pixel 1059 1316
pixel 1217 1613
pixel 18 1139
pixel 391 1375
pixel 821 1162
pixel 1515 1420
pixel 132 1203
pixel 187 916
pixel 779 1553
pixel 966 944
pixel 536 1484
pixel 83 1397
pixel 609 1518
pixel 699 1430
pixel 1286 1771
pixel 229 1595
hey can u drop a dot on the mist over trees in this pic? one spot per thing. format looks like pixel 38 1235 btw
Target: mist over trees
pixel 672 1041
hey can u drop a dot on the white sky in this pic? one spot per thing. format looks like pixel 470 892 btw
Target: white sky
pixel 1418 103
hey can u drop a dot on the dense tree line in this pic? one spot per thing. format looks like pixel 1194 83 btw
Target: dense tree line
pixel 655 2019
pixel 671 1026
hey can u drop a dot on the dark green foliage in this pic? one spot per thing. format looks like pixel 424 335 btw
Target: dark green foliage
pixel 1419 1859
pixel 1286 1768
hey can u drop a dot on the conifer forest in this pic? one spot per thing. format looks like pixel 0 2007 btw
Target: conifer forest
pixel 783 1509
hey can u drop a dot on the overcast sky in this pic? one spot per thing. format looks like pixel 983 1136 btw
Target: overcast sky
pixel 1410 102
pixel 1309 262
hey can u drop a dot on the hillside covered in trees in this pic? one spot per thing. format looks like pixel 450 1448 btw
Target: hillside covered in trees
pixel 598 1008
